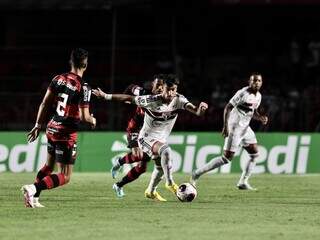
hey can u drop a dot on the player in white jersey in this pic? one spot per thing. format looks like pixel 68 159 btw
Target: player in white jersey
pixel 238 113
pixel 160 116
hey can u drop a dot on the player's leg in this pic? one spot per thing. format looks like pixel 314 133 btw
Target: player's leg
pixel 156 176
pixel 250 145
pixel 65 157
pixel 31 195
pixel 136 155
pixel 46 169
pixel 230 146
pixel 164 152
pixel 132 175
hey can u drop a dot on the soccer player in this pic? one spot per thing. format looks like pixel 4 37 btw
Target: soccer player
pixel 71 97
pixel 238 113
pixel 136 154
pixel 161 112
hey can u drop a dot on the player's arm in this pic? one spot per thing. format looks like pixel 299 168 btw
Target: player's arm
pixel 42 115
pixel 141 101
pixel 85 116
pixel 259 117
pixel 226 115
pixel 113 97
pixel 199 111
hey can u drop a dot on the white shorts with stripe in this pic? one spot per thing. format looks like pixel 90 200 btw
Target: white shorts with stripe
pixel 146 144
pixel 239 137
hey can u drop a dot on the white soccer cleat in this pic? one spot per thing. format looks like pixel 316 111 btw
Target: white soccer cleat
pixel 28 192
pixel 245 186
pixel 36 203
pixel 119 190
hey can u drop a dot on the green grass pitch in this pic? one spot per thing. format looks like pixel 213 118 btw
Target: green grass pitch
pixel 284 207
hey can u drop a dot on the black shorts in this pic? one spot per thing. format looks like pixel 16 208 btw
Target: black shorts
pixel 63 152
pixel 132 139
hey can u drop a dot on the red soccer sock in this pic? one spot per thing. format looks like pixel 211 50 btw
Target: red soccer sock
pixel 51 181
pixel 43 172
pixel 133 174
pixel 129 158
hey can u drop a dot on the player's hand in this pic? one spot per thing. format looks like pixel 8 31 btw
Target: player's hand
pixel 33 134
pixel 94 122
pixel 264 120
pixel 225 131
pixel 137 152
pixel 202 108
pixel 98 93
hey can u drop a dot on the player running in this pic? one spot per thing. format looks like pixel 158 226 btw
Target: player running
pixel 161 112
pixel 136 154
pixel 71 97
pixel 238 113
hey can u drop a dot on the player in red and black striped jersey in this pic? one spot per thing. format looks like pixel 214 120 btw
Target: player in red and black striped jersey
pixel 70 98
pixel 134 125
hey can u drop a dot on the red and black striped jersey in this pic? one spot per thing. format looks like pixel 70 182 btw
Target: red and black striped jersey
pixel 71 93
pixel 136 121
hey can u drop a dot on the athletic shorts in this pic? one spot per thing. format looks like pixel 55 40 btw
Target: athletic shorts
pixel 239 137
pixel 146 144
pixel 62 151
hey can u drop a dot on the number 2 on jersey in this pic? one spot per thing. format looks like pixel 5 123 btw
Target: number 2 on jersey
pixel 62 104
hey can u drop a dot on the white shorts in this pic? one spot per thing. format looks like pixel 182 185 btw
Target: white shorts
pixel 146 144
pixel 239 137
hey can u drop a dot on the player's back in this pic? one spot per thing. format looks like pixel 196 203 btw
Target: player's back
pixel 70 92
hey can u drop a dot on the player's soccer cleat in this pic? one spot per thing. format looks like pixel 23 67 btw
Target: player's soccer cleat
pixel 28 192
pixel 193 179
pixel 118 190
pixel 172 188
pixel 245 186
pixel 154 195
pixel 115 169
pixel 36 203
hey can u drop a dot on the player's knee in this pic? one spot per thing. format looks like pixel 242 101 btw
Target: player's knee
pixel 225 159
pixel 165 151
pixel 253 156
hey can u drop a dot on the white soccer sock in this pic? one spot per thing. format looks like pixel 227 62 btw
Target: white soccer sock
pixel 166 163
pixel 214 163
pixel 156 177
pixel 246 173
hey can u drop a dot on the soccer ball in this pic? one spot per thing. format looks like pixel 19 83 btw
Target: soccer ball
pixel 186 192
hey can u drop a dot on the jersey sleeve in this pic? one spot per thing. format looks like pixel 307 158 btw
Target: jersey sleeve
pixel 237 98
pixel 182 101
pixel 85 96
pixel 53 86
pixel 147 101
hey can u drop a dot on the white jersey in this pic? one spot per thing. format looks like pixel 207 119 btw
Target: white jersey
pixel 244 103
pixel 159 117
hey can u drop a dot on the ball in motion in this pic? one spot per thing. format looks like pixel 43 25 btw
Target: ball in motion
pixel 186 192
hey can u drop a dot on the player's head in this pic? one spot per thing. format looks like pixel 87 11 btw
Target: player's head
pixel 157 83
pixel 170 87
pixel 79 58
pixel 255 82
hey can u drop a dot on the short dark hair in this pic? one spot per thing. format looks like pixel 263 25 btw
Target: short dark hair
pixel 78 55
pixel 171 79
pixel 160 76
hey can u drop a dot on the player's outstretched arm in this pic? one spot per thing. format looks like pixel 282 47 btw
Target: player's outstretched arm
pixel 226 114
pixel 42 115
pixel 199 111
pixel 113 97
pixel 262 118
